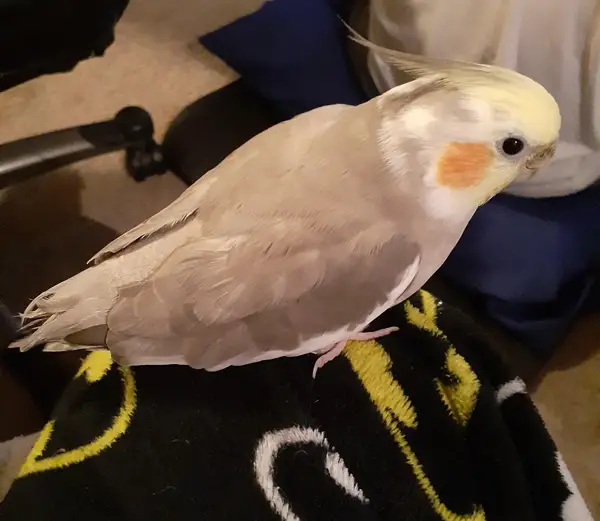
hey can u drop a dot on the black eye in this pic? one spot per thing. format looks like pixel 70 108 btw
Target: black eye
pixel 512 146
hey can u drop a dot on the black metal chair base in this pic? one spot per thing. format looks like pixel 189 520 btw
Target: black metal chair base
pixel 131 130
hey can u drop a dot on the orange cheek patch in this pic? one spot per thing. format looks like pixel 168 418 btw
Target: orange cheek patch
pixel 463 165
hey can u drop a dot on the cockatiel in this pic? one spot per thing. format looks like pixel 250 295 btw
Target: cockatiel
pixel 305 234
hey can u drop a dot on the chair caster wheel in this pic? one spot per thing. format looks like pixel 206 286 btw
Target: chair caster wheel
pixel 143 157
pixel 144 161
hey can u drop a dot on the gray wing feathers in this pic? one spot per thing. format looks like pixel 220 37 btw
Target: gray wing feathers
pixel 226 176
pixel 221 308
pixel 178 212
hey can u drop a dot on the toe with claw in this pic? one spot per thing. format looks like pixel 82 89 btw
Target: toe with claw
pixel 329 354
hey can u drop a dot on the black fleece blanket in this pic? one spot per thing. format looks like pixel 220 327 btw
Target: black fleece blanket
pixel 426 425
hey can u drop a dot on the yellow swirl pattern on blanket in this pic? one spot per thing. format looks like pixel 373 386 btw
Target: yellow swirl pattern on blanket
pixel 95 367
pixel 372 365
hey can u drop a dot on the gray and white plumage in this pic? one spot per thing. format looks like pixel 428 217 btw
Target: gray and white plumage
pixel 298 239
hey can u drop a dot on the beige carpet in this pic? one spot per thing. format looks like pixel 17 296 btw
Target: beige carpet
pixel 568 398
pixel 51 226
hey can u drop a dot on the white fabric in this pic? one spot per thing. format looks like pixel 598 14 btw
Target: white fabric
pixel 555 42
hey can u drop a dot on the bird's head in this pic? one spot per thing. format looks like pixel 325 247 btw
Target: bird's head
pixel 468 129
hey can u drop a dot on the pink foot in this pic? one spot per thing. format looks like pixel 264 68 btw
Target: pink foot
pixel 333 352
pixel 329 355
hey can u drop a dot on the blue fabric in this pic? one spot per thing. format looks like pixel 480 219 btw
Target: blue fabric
pixel 292 53
pixel 533 260
pixel 528 260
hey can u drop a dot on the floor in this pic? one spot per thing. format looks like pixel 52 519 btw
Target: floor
pixel 56 223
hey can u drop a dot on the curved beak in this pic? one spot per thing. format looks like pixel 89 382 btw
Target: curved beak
pixel 540 157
